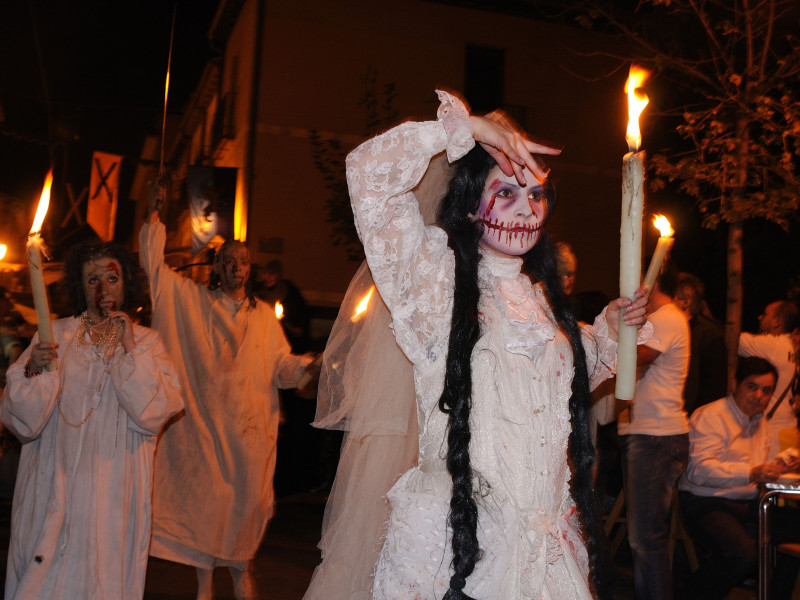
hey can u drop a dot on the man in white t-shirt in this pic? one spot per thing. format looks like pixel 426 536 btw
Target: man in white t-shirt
pixel 774 343
pixel 654 440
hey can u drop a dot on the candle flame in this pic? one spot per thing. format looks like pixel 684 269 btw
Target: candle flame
pixel 636 103
pixel 662 224
pixel 279 310
pixel 362 306
pixel 3 250
pixel 44 202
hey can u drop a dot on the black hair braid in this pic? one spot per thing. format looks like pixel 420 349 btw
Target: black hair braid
pixel 456 401
pixel 541 263
pixel 456 398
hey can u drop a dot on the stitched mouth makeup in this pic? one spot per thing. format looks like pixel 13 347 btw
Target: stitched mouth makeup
pixel 517 231
pixel 512 214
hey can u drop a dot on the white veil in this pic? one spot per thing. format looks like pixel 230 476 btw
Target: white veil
pixel 367 390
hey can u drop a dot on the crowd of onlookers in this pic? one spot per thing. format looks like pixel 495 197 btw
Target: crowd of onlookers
pixel 689 428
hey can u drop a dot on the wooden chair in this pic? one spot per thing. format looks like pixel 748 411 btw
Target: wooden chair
pixel 616 519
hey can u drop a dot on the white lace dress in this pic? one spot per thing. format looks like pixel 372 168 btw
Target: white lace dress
pixel 522 373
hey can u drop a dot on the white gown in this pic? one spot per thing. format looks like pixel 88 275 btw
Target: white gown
pixel 80 524
pixel 212 491
pixel 522 374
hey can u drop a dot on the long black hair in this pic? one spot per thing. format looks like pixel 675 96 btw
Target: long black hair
pixel 464 233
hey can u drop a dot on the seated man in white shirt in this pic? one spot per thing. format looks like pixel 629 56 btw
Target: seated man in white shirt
pixel 729 445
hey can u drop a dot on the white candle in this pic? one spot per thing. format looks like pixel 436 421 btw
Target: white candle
pixel 663 245
pixel 630 267
pixel 630 249
pixel 307 377
pixel 38 288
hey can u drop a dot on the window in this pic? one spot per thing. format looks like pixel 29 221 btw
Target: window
pixel 484 80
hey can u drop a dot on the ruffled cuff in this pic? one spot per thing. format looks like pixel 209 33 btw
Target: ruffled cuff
pixel 455 118
pixel 607 348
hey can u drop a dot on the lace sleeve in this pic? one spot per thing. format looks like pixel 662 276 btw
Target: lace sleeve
pixel 601 350
pixel 411 263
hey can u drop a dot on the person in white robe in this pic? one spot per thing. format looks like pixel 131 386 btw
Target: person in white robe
pixel 80 522
pixel 213 491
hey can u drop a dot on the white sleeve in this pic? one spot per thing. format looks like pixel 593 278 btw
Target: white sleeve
pixel 411 263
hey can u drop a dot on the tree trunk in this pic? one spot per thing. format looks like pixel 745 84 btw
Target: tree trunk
pixel 733 317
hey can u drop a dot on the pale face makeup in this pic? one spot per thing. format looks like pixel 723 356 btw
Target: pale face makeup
pixel 103 287
pixel 512 214
pixel 234 268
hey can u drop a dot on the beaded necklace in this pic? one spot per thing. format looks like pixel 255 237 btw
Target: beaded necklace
pixel 101 343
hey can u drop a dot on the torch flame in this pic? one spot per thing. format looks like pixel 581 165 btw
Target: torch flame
pixel 279 310
pixel 44 202
pixel 636 103
pixel 362 306
pixel 662 224
pixel 3 250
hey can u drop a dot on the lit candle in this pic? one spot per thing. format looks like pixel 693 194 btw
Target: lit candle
pixel 278 310
pixel 662 247
pixel 34 251
pixel 362 306
pixel 630 250
pixel 3 250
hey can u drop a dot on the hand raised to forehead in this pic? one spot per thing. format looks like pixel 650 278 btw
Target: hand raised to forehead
pixel 509 147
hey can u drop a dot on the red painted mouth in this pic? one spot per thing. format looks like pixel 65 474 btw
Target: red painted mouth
pixel 512 232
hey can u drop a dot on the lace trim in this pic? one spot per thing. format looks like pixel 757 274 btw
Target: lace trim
pixel 455 119
pixel 526 324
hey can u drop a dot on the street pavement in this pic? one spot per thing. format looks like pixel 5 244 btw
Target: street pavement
pixel 283 566
pixel 287 557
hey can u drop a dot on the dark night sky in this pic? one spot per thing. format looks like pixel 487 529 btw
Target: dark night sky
pixel 101 65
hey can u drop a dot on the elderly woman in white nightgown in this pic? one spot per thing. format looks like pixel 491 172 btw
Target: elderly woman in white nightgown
pixel 80 523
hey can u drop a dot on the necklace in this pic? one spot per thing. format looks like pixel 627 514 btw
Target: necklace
pixel 101 338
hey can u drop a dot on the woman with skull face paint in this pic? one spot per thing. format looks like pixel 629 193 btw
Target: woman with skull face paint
pixel 500 503
pixel 80 523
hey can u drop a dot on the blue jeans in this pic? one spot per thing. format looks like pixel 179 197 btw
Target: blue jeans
pixel 651 465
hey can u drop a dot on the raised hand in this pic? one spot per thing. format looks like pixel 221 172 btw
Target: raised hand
pixel 158 195
pixel 508 146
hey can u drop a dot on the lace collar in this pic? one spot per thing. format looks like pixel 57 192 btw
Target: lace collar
pixel 500 266
pixel 525 316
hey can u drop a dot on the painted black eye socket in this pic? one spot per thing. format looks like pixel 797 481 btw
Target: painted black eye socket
pixel 537 196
